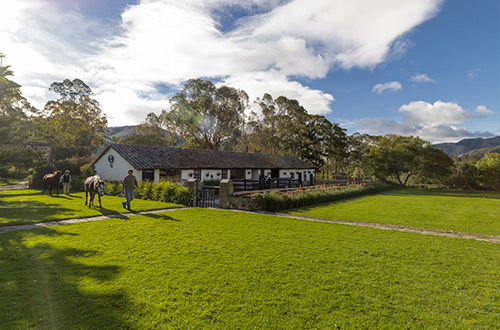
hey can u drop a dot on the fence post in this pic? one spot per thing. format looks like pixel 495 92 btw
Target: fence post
pixel 226 190
pixel 194 188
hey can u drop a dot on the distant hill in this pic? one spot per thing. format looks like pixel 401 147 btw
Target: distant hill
pixel 120 132
pixel 481 152
pixel 477 146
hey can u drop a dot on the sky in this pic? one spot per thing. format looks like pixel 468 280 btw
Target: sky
pixel 427 68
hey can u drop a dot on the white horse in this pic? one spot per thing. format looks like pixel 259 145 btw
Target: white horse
pixel 94 184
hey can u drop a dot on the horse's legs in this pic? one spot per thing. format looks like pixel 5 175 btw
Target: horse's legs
pixel 86 196
pixel 91 202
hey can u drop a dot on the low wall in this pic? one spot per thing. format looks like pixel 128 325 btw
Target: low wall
pixel 229 201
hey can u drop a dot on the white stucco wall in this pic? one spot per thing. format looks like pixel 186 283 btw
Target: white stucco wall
pixel 288 171
pixel 118 170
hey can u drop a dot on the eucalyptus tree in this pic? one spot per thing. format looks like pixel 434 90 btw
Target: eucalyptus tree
pixel 208 116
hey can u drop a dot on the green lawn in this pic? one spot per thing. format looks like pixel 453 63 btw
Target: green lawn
pixel 214 269
pixel 31 206
pixel 466 211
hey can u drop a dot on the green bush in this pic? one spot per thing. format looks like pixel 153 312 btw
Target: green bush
pixel 281 200
pixel 113 188
pixel 164 191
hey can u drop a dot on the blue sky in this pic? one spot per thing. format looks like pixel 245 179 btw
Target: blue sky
pixel 422 67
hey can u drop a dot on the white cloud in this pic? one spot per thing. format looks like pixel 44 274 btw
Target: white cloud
pixel 483 110
pixel 388 86
pixel 169 41
pixel 421 112
pixel 276 84
pixel 421 78
pixel 437 122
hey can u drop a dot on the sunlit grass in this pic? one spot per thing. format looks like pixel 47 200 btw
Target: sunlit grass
pixel 212 269
pixel 30 206
pixel 465 211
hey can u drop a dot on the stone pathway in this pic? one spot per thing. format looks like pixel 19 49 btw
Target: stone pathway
pixel 7 229
pixel 423 231
pixel 18 186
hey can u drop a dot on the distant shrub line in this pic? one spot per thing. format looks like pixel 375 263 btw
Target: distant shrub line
pixel 281 200
pixel 163 191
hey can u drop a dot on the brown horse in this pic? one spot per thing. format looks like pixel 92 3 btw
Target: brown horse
pixel 51 181
pixel 94 184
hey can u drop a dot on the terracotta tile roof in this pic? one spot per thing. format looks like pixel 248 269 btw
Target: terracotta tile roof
pixel 148 157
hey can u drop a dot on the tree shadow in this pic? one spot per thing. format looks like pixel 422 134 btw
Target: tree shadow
pixel 28 212
pixel 44 287
pixel 4 194
pixel 161 216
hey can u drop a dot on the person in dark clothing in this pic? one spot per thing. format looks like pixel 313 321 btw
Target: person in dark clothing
pixel 128 185
pixel 65 179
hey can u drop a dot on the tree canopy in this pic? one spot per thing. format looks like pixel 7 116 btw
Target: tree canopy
pixel 284 127
pixel 16 129
pixel 75 120
pixel 209 117
pixel 402 157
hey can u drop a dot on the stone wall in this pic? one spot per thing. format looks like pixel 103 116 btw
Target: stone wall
pixel 229 201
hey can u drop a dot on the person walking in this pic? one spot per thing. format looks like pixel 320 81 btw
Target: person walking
pixel 128 185
pixel 65 179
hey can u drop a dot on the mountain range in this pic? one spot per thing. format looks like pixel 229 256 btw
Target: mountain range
pixel 469 147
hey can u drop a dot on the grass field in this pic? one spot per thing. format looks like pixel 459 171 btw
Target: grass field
pixel 30 206
pixel 215 269
pixel 466 211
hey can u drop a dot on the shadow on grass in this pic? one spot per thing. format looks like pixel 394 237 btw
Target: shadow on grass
pixel 160 216
pixel 42 286
pixel 5 194
pixel 27 212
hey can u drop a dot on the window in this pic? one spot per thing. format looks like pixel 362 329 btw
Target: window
pixel 171 175
pixel 148 175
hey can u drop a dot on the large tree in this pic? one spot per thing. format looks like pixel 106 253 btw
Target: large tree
pixel 74 124
pixel 489 171
pixel 16 129
pixel 284 127
pixel 209 117
pixel 75 120
pixel 401 157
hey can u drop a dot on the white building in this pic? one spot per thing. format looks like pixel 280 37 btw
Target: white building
pixel 178 165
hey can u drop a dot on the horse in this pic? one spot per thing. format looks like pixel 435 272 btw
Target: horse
pixel 51 180
pixel 94 184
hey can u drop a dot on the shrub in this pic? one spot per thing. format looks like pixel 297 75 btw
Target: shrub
pixel 164 191
pixel 280 200
pixel 113 188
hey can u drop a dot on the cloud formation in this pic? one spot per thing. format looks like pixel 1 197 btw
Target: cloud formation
pixel 388 86
pixel 421 78
pixel 438 122
pixel 261 45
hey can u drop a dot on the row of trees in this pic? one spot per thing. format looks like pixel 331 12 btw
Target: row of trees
pixel 208 117
pixel 205 116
